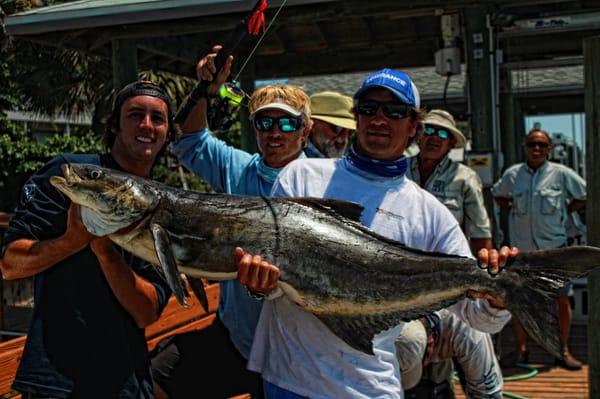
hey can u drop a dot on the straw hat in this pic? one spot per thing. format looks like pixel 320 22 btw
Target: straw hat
pixel 443 119
pixel 410 350
pixel 334 108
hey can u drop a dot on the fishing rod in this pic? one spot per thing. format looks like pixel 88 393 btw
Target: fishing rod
pixel 247 29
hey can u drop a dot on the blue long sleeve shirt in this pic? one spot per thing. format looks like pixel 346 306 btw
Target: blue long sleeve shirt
pixel 232 171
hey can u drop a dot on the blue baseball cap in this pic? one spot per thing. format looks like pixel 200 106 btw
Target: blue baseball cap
pixel 399 83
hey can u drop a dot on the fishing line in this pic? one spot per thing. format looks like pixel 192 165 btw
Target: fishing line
pixel 259 40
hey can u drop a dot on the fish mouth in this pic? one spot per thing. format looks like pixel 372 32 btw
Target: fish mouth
pixel 69 178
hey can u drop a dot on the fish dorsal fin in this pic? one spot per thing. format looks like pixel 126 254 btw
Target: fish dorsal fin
pixel 347 209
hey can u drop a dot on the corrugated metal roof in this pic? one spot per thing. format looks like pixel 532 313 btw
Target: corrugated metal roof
pixel 524 80
pixel 431 85
pixel 91 5
pixel 84 14
pixel 95 13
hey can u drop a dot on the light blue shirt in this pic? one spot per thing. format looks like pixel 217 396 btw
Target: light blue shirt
pixel 539 203
pixel 232 171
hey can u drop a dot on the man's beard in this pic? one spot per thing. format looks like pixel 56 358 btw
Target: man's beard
pixel 328 148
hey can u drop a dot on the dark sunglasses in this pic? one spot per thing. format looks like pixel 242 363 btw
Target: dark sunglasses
pixel 432 130
pixel 336 129
pixel 286 124
pixel 533 144
pixel 391 110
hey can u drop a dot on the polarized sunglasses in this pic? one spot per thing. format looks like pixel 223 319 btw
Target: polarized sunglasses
pixel 533 144
pixel 391 110
pixel 432 130
pixel 286 124
pixel 336 129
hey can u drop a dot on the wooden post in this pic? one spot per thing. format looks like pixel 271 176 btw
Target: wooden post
pixel 480 79
pixel 591 53
pixel 510 132
pixel 124 62
pixel 247 82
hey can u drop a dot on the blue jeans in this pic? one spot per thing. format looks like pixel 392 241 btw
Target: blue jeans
pixel 274 392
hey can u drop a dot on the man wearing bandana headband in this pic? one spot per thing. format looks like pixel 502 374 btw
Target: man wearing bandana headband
pixel 92 299
pixel 297 355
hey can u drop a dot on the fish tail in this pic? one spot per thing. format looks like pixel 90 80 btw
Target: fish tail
pixel 531 294
pixel 536 311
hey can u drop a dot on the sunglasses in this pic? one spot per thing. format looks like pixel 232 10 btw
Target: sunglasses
pixel 432 130
pixel 533 144
pixel 336 129
pixel 286 124
pixel 391 110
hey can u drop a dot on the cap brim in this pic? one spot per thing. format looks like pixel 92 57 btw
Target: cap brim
pixel 410 378
pixel 395 92
pixel 334 120
pixel 280 107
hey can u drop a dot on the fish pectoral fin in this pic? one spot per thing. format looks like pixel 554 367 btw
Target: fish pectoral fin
pixel 168 265
pixel 358 331
pixel 198 289
pixel 347 209
pixel 354 331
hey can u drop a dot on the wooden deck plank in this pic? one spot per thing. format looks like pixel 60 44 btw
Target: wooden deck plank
pixel 551 382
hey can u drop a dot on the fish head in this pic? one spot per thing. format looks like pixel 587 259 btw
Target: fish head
pixel 110 200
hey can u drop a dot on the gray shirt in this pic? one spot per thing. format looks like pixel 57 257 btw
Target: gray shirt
pixel 458 187
pixel 539 203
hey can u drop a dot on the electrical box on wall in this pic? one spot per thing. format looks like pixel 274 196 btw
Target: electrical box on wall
pixel 447 61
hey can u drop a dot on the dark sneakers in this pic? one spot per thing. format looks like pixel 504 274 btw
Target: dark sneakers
pixel 568 362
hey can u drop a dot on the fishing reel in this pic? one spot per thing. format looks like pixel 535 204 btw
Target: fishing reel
pixel 223 105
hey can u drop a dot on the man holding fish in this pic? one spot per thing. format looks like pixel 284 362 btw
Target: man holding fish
pixel 372 173
pixel 92 299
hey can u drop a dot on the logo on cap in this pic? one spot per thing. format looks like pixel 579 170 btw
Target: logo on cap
pixel 397 82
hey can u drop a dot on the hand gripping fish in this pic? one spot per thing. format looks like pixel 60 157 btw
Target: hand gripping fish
pixel 354 280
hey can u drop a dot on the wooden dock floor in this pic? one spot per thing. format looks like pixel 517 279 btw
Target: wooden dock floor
pixel 551 382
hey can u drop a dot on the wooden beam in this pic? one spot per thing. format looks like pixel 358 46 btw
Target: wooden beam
pixel 124 61
pixel 187 49
pixel 591 54
pixel 319 34
pixel 369 27
pixel 344 60
pixel 247 82
pixel 272 44
pixel 508 123
pixel 479 79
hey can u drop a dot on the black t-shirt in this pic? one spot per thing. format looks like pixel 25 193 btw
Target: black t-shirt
pixel 81 343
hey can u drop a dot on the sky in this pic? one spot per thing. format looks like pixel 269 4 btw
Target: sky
pixel 570 125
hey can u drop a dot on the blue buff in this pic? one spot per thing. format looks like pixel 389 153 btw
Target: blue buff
pixel 393 168
pixel 267 173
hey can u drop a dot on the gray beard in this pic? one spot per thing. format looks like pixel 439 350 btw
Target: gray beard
pixel 328 148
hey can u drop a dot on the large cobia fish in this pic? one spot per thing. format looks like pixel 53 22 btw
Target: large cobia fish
pixel 356 281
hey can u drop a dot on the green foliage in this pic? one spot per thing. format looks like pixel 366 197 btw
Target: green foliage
pixel 52 81
pixel 166 171
pixel 21 153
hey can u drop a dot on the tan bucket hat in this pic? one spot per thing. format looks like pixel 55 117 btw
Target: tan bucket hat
pixel 411 345
pixel 444 119
pixel 334 108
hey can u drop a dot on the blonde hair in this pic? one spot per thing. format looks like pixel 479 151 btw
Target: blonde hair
pixel 294 96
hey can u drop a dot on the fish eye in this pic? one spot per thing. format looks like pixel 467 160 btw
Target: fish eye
pixel 95 174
